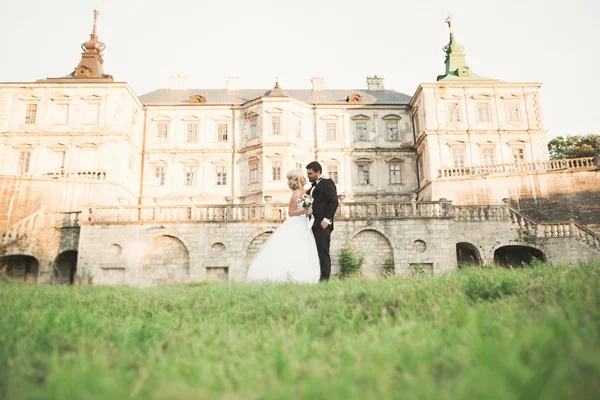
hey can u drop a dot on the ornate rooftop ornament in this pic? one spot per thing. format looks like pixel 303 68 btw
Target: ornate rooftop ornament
pixel 276 91
pixel 456 63
pixel 354 98
pixel 91 62
pixel 197 99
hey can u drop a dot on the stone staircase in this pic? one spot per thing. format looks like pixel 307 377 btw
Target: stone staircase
pixel 38 220
pixel 527 227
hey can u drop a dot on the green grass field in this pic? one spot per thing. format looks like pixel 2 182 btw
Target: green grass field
pixel 478 333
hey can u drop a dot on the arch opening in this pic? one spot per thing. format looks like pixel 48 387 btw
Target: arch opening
pixel 20 267
pixel 516 256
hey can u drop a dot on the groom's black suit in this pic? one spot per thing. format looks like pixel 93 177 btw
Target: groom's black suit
pixel 324 206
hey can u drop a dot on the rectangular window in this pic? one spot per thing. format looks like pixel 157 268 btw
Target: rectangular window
pixel 222 131
pixel 332 170
pixel 518 155
pixel 190 175
pixel 392 130
pixel 458 157
pixel 91 113
pixel 60 115
pixel 221 175
pixel 31 113
pixel 276 125
pixel 453 111
pixel 483 112
pixel 298 166
pixel 192 133
pixel 159 176
pixel 331 130
pixel 361 131
pixel 23 162
pixel 57 159
pixel 513 113
pixel 363 174
pixel 489 155
pixel 253 172
pixel 276 170
pixel 163 131
pixel 298 129
pixel 253 128
pixel 395 174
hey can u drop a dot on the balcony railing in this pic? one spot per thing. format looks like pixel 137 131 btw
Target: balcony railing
pixel 259 212
pixel 571 164
pixel 77 175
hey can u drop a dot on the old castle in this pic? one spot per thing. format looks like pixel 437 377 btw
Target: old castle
pixel 182 185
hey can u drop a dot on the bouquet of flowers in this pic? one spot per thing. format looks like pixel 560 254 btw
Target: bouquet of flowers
pixel 305 200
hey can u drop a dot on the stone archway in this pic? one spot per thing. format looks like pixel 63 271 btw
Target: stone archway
pixel 65 267
pixel 20 267
pixel 376 248
pixel 467 254
pixel 253 248
pixel 516 256
pixel 165 261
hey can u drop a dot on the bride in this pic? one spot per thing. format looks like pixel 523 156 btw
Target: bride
pixel 290 253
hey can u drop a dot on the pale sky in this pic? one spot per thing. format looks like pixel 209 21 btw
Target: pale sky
pixel 549 41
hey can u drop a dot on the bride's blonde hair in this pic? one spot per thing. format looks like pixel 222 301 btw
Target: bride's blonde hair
pixel 293 178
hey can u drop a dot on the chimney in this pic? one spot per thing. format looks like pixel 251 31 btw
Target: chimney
pixel 179 82
pixel 233 83
pixel 375 83
pixel 317 83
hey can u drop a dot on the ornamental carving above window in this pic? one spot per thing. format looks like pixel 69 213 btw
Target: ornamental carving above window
pixel 197 99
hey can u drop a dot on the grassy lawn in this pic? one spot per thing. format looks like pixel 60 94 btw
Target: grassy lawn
pixel 477 333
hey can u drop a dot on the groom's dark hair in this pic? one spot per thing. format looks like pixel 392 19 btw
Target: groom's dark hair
pixel 315 166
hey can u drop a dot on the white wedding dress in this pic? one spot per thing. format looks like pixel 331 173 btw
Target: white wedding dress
pixel 288 255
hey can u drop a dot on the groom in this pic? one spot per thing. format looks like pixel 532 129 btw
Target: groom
pixel 324 205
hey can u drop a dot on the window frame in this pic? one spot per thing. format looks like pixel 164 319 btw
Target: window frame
pixel 160 176
pixel 24 168
pixel 513 111
pixel 31 111
pixel 330 173
pixel 483 108
pixel 221 175
pixel 187 181
pixel 391 169
pixel 276 124
pixel 453 150
pixel 222 135
pixel 328 136
pixel 454 114
pixel 276 168
pixel 484 156
pixel 253 168
pixel 192 128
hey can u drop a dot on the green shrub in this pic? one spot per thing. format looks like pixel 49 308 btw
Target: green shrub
pixel 350 262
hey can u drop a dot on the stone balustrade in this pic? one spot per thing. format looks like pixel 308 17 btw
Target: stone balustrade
pixel 575 164
pixel 77 175
pixel 259 212
pixel 525 225
pixel 569 229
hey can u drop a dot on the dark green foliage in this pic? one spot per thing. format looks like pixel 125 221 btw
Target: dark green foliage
pixel 575 146
pixel 350 262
